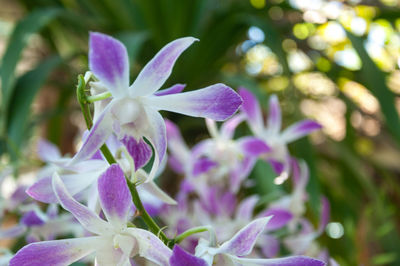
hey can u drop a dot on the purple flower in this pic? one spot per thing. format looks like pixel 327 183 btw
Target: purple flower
pixel 134 109
pixel 270 130
pixel 114 244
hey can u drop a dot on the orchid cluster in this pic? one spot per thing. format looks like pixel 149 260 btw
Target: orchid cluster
pixel 112 205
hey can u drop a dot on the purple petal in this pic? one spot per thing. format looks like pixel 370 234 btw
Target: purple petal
pixel 108 60
pixel 253 146
pixel 98 135
pixel 139 150
pixel 242 242
pixel 269 245
pixel 157 135
pixel 228 127
pixel 55 253
pixel 203 165
pixel 299 130
pixel 274 115
pixel 177 88
pixel 13 232
pixel 42 190
pixel 31 218
pixel 175 164
pixel 252 110
pixel 47 151
pixel 115 198
pixel 246 208
pixel 280 218
pixel 151 247
pixel 158 69
pixel 325 214
pixel 182 258
pixel 217 102
pixel 87 218
pixel 288 261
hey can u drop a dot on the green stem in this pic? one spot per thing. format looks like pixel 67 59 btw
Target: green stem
pixel 84 103
pixel 192 231
pixel 98 97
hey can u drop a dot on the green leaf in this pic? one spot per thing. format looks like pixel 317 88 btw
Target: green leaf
pixel 18 40
pixel 19 109
pixel 374 79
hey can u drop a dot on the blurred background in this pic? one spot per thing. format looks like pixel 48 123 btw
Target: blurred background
pixel 334 61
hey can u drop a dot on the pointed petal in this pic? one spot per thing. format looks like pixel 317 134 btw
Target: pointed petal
pixel 288 261
pixel 274 115
pixel 325 214
pixel 157 135
pixel 182 258
pixel 139 150
pixel 253 146
pixel 13 232
pixel 47 151
pixel 242 242
pixel 228 128
pixel 203 165
pixel 151 247
pixel 115 197
pixel 108 60
pixel 252 110
pixel 42 190
pixel 154 190
pixel 98 135
pixel 55 253
pixel 32 218
pixel 280 218
pixel 158 69
pixel 177 88
pixel 217 102
pixel 87 218
pixel 246 208
pixel 300 129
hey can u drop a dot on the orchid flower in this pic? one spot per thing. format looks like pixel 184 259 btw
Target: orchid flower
pixel 234 250
pixel 133 110
pixel 270 130
pixel 114 244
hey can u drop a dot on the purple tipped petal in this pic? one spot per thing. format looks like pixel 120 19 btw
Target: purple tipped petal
pixel 280 218
pixel 157 135
pixel 242 242
pixel 43 191
pixel 253 146
pixel 274 115
pixel 115 198
pixel 228 128
pixel 55 253
pixel 217 102
pixel 98 135
pixel 151 247
pixel 31 218
pixel 139 150
pixel 177 88
pixel 269 245
pixel 182 258
pixel 108 60
pixel 289 261
pixel 203 165
pixel 252 110
pixel 325 215
pixel 246 208
pixel 13 232
pixel 299 130
pixel 157 71
pixel 47 151
pixel 87 218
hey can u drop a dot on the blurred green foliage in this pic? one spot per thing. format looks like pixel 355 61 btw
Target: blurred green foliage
pixel 304 57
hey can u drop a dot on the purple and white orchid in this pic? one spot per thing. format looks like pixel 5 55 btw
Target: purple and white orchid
pixel 114 244
pixel 270 130
pixel 133 110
